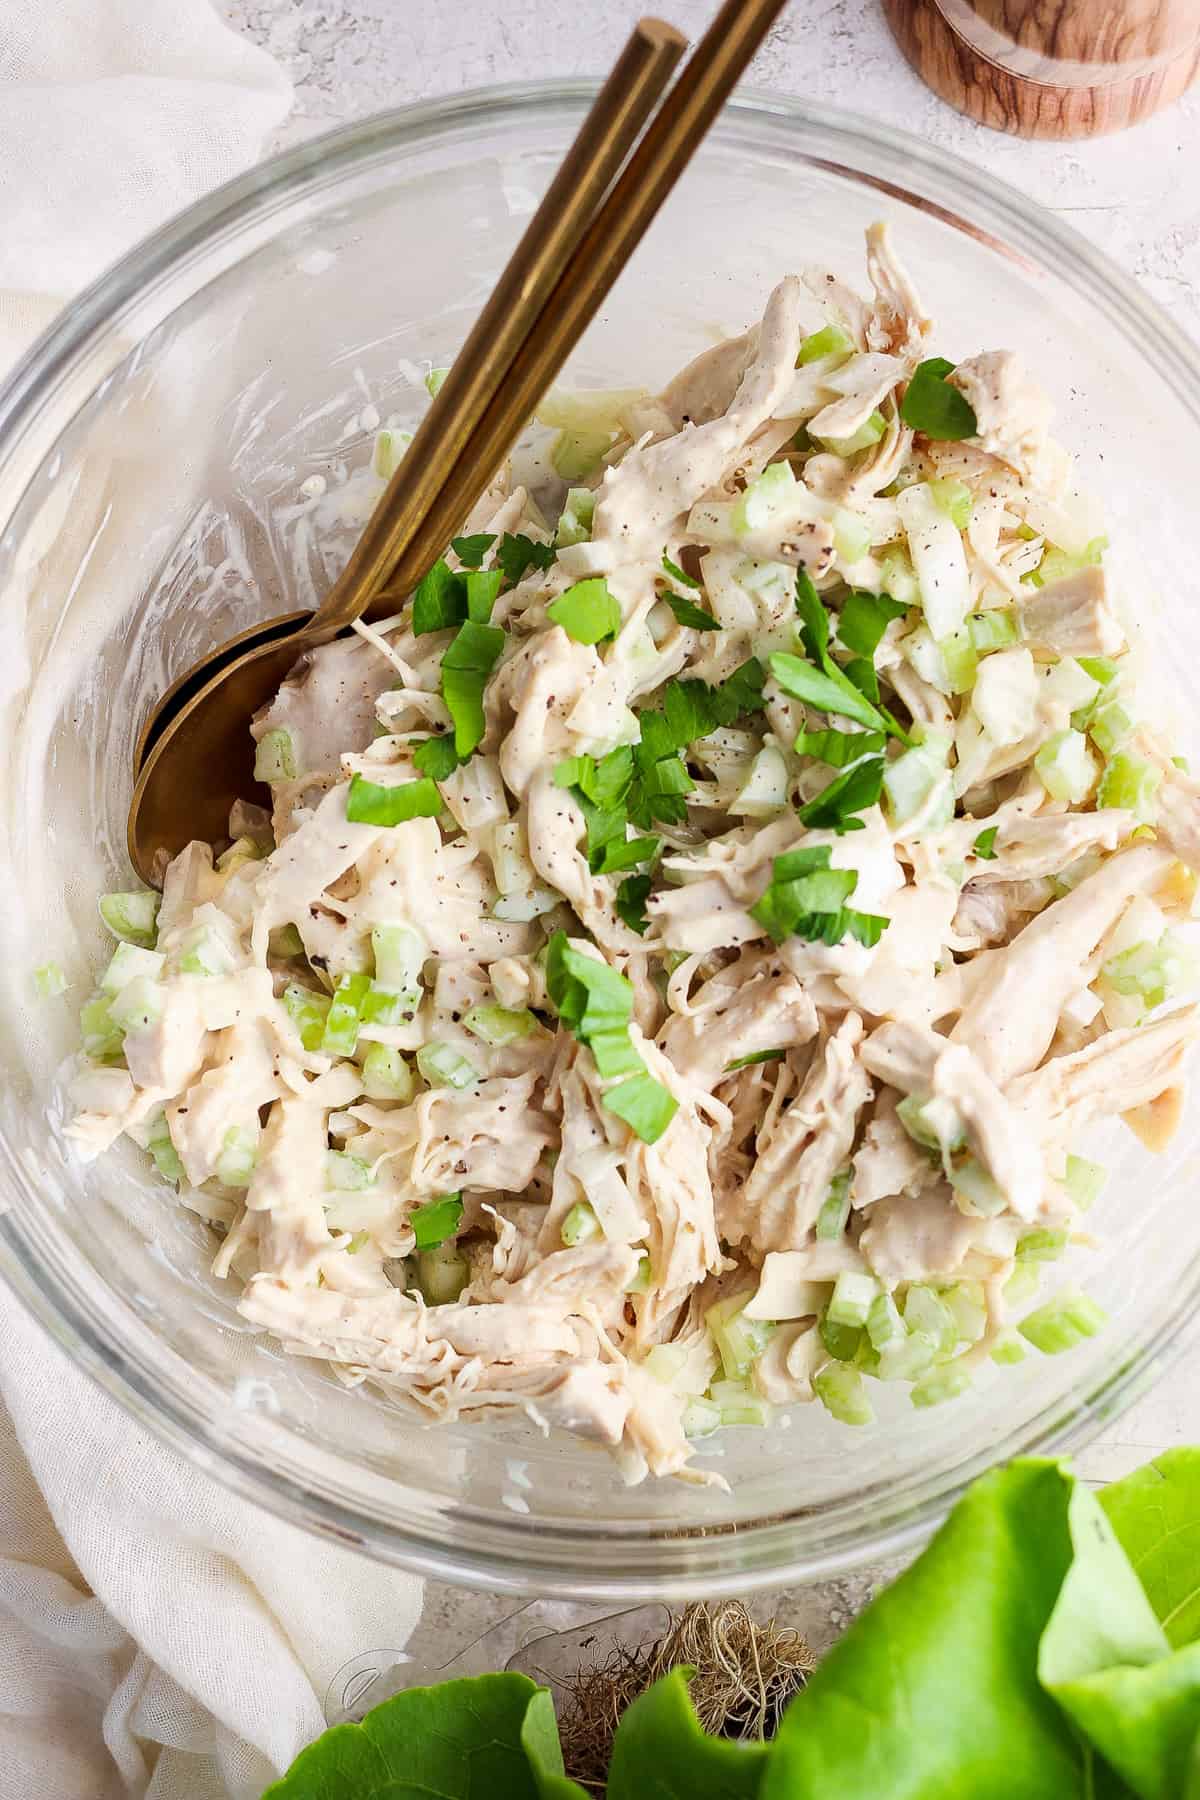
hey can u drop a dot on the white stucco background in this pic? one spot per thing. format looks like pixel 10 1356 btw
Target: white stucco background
pixel 1136 195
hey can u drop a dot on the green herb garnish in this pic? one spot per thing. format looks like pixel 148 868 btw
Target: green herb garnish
pixel 367 803
pixel 806 898
pixel 932 406
pixel 687 613
pixel 471 551
pixel 468 662
pixel 587 612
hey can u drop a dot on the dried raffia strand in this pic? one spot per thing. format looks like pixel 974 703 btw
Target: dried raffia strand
pixel 745 1676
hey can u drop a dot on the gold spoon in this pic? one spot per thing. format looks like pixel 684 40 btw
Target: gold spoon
pixel 195 755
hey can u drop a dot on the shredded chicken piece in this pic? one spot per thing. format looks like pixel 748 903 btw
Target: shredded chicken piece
pixel 918 1061
pixel 1012 412
pixel 1013 1014
pixel 753 1005
pixel 805 1147
pixel 1072 617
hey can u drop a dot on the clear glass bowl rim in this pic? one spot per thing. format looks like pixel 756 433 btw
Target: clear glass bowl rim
pixel 536 1555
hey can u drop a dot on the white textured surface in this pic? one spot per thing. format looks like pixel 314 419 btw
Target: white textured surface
pixel 1135 195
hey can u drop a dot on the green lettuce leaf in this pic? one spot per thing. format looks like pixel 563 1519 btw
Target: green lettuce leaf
pixel 490 1737
pixel 933 1693
pixel 1142 1710
pixel 661 1753
pixel 1156 1514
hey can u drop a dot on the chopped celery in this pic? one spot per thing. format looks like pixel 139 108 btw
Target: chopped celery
pixel 1084 1181
pixel 831 340
pixel 442 1066
pixel 841 1392
pixel 389 1006
pixel 399 953
pixel 436 1220
pixel 275 757
pixel 913 780
pixel 139 1005
pixel 899 578
pixel 49 980
pixel 1102 669
pixel 885 1327
pixel 835 1208
pixel 927 1313
pixel 971 1181
pixel 955 499
pixel 348 1174
pixel 161 1147
pixel 851 535
pixel 764 499
pixel 1154 972
pixel 128 962
pixel 994 630
pixel 666 1362
pixel 386 1074
pixel 307 1012
pixel 388 454
pixel 1057 564
pixel 575 521
pixel 345 1015
pixel 843 1342
pixel 1063 1322
pixel 909 1357
pixel 202 951
pixel 700 1419
pixel 434 380
pixel 239 1153
pixel 862 439
pixel 101 1036
pixel 442 1274
pixel 1043 1245
pixel 1023 1283
pixel 132 917
pixel 1130 782
pixel 498 1025
pixel 581 1226
pixel 1066 767
pixel 739 1404
pixel 851 1299
pixel 966 1304
pixel 1068 685
pixel 944 1383
pixel 1008 1348
pixel 765 789
pixel 1109 725
pixel 578 454
pixel 242 850
pixel 639 1282
pixel 933 1122
pixel 960 660
pixel 740 1341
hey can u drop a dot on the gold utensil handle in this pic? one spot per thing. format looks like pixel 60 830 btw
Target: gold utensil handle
pixel 614 233
pixel 479 370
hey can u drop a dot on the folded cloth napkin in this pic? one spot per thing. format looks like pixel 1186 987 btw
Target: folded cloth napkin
pixel 158 1636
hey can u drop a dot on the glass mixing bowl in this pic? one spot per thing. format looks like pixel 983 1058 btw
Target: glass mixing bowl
pixel 157 456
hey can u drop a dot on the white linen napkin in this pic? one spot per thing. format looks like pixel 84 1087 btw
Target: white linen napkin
pixel 158 1637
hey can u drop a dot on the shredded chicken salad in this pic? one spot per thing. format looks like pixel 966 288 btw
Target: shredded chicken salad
pixel 688 939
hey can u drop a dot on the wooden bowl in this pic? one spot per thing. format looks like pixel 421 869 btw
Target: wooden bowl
pixel 1051 68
